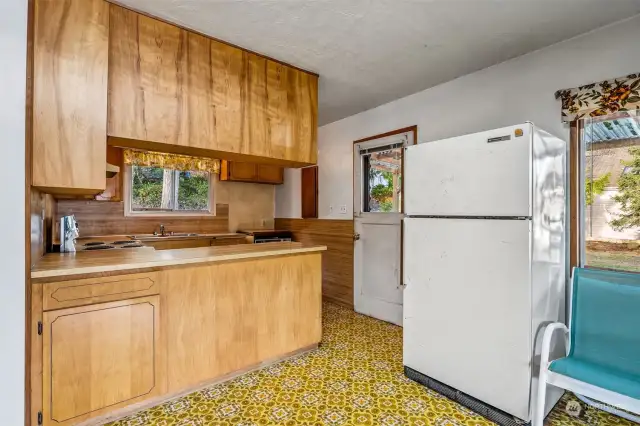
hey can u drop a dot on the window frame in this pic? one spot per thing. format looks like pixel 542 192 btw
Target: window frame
pixel 577 204
pixel 128 211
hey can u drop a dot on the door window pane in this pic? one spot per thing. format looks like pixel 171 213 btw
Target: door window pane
pixel 382 172
pixel 611 197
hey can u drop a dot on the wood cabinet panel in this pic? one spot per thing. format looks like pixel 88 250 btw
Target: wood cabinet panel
pixel 70 95
pixel 228 241
pixel 337 261
pixel 228 66
pixel 71 293
pixel 237 171
pixel 270 174
pixel 182 92
pixel 309 192
pixel 100 357
pixel 179 244
pixel 252 311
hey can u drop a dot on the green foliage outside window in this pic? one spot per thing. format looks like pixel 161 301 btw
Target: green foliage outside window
pixel 629 194
pixel 382 192
pixel 595 187
pixel 150 184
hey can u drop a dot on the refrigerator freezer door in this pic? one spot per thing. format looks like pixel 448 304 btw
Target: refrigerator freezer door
pixel 467 307
pixel 483 174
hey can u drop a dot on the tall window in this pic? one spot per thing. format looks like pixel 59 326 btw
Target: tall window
pixel 610 166
pixel 160 190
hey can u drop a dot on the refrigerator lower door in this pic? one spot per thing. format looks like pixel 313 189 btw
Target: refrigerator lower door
pixel 482 174
pixel 467 307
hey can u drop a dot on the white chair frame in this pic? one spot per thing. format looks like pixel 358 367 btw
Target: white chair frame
pixel 585 391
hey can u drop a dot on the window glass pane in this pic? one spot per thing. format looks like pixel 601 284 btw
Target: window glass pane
pixel 193 191
pixel 150 188
pixel 611 198
pixel 158 189
pixel 382 181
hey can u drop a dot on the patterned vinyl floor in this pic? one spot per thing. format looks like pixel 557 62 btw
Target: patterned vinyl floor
pixel 354 378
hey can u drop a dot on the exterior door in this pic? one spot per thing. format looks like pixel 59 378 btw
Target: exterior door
pixel 99 357
pixel 378 213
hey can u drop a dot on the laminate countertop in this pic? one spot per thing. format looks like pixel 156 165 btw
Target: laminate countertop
pixel 65 266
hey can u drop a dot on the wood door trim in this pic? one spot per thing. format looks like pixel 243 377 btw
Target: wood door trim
pixel 413 129
pixel 149 15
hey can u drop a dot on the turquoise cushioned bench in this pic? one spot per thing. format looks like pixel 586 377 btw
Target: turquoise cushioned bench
pixel 605 332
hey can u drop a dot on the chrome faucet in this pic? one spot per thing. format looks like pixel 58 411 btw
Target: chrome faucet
pixel 162 229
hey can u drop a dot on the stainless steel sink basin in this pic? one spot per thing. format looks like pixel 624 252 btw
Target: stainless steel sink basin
pixel 168 235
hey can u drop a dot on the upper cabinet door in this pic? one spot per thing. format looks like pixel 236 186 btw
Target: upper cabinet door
pixel 174 90
pixel 70 68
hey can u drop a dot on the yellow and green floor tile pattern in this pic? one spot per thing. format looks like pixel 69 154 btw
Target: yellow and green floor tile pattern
pixel 354 378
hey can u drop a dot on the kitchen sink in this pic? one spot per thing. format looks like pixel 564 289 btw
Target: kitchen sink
pixel 168 235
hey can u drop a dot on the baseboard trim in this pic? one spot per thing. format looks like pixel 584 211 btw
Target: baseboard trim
pixel 134 408
pixel 485 410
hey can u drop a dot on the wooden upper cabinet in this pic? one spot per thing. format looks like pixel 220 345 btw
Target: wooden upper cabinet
pixel 100 357
pixel 175 90
pixel 236 171
pixel 70 68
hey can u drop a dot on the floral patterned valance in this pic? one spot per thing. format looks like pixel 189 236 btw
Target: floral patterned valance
pixel 606 97
pixel 171 161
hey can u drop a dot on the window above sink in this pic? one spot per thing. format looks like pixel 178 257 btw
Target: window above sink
pixel 157 191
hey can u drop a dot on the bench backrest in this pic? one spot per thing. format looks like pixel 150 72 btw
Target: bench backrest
pixel 605 319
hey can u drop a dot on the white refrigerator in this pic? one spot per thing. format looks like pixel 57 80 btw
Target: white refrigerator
pixel 484 265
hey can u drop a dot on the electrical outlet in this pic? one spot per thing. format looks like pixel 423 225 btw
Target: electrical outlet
pixel 330 210
pixel 343 209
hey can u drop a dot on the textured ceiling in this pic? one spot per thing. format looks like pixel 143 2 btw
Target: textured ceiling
pixel 370 52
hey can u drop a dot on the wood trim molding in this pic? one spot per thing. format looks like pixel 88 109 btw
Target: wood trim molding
pixel 27 204
pixel 413 129
pixel 574 192
pixel 149 15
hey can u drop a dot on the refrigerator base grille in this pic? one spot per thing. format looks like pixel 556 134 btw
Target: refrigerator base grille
pixel 485 410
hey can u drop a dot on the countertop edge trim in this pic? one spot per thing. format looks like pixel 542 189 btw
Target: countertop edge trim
pixel 35 275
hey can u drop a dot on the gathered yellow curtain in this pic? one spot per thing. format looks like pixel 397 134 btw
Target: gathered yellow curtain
pixel 603 98
pixel 171 161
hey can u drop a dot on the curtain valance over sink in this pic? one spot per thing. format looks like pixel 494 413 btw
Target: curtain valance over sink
pixel 605 97
pixel 171 161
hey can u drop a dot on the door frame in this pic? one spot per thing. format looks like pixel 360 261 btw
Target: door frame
pixel 357 213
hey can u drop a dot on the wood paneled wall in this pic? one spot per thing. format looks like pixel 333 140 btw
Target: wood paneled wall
pixel 337 261
pixel 42 225
pixel 107 218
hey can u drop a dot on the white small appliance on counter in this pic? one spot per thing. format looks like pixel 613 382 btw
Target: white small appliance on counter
pixel 68 233
pixel 484 265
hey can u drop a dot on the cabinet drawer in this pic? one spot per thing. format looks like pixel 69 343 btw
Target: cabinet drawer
pixel 97 290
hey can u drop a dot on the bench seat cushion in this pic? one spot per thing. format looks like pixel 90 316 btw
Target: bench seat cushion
pixel 602 377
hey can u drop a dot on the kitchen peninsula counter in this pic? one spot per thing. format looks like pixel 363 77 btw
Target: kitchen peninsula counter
pixel 115 331
pixel 63 266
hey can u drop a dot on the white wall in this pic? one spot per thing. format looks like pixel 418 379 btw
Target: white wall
pixel 515 91
pixel 13 45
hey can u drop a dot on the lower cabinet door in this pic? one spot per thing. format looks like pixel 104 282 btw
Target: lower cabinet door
pixel 100 358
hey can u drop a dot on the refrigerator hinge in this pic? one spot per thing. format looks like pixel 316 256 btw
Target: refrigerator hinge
pixel 39 328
